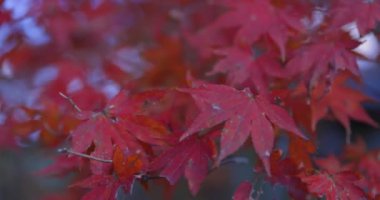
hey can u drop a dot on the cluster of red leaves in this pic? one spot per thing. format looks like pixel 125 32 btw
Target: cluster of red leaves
pixel 109 85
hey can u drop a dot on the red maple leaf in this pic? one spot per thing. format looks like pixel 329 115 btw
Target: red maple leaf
pixel 285 171
pixel 126 166
pixel 103 187
pixel 168 68
pixel 240 65
pixel 335 186
pixel 302 158
pixel 366 14
pixel 369 166
pixel 321 59
pixel 334 182
pixel 51 124
pixel 342 101
pixel 191 157
pixel 118 124
pixel 247 16
pixel 244 114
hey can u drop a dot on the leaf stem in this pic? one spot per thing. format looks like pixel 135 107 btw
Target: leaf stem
pixel 68 151
pixel 75 106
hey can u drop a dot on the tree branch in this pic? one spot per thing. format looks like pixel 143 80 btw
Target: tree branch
pixel 68 151
pixel 75 106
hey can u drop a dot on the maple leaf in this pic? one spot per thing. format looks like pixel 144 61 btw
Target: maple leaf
pixel 118 124
pixel 126 166
pixel 343 102
pixel 368 166
pixel 168 67
pixel 103 187
pixel 50 123
pixel 243 115
pixel 334 182
pixel 244 191
pixel 323 57
pixel 364 13
pixel 100 132
pixel 301 158
pixel 285 171
pixel 247 16
pixel 297 101
pixel 335 186
pixel 142 103
pixel 191 157
pixel 240 65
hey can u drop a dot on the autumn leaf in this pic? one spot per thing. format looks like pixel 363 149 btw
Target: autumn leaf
pixel 285 172
pixel 301 158
pixel 126 166
pixel 323 57
pixel 369 166
pixel 365 15
pixel 334 182
pixel 244 114
pixel 50 123
pixel 113 127
pixel 342 101
pixel 246 16
pixel 169 68
pixel 103 187
pixel 240 66
pixel 97 79
pixel 189 157
pixel 334 186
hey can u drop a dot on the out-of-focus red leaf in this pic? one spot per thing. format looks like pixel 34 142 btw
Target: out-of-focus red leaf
pixel 189 157
pixel 369 166
pixel 246 16
pixel 355 151
pixel 51 124
pixel 244 191
pixel 240 66
pixel 145 129
pixel 61 165
pixel 169 68
pixel 323 58
pixel 341 101
pixel 301 157
pixel 103 187
pixel 285 171
pixel 126 166
pixel 365 15
pixel 142 103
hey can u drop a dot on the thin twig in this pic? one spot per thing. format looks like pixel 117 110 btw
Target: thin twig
pixel 235 160
pixel 75 106
pixel 230 160
pixel 145 177
pixel 65 150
